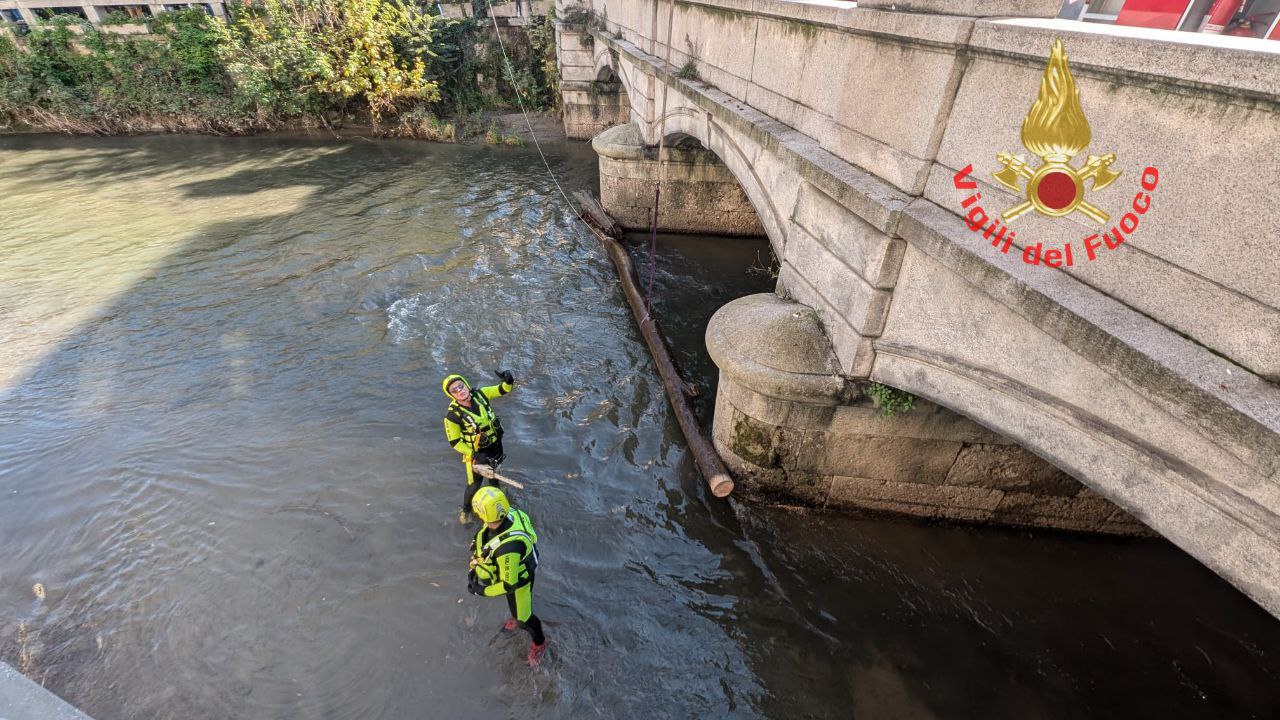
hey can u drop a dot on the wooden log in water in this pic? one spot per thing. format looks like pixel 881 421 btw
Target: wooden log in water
pixel 704 454
pixel 595 212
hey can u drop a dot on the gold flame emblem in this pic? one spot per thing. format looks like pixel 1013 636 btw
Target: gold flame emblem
pixel 1055 129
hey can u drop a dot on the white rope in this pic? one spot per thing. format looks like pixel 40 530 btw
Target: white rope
pixel 666 87
pixel 511 76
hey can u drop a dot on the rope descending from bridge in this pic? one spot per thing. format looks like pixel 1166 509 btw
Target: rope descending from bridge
pixel 662 166
pixel 511 73
pixel 704 454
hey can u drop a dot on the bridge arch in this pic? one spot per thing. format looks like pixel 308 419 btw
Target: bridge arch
pixel 607 68
pixel 682 120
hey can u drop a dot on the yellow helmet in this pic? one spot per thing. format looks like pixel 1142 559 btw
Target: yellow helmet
pixel 489 504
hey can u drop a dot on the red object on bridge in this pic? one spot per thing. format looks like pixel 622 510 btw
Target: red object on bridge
pixel 1220 15
pixel 1163 14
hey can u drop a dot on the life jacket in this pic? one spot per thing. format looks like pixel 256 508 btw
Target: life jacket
pixel 479 424
pixel 520 530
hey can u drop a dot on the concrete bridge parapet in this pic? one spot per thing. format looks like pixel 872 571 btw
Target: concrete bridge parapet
pixel 910 98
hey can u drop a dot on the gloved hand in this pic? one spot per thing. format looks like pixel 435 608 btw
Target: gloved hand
pixel 473 584
pixel 505 376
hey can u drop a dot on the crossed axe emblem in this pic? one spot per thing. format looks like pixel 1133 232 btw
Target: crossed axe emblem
pixel 1098 169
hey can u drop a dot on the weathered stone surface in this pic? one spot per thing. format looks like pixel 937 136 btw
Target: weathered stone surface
pixel 976 504
pixel 23 699
pixel 777 411
pixel 756 454
pixel 790 446
pixel 907 498
pixel 857 122
pixel 584 121
pixel 870 253
pixel 838 286
pixel 713 42
pixel 700 195
pixel 588 106
pixel 1184 389
pixel 755 442
pixel 978 8
pixel 926 421
pixel 1009 467
pixel 853 351
pixel 576 56
pixel 904 459
pixel 1070 513
pixel 775 348
pixel 953 340
pixel 1122 523
pixel 1245 67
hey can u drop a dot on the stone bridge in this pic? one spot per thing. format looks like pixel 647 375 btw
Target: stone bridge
pixel 1146 370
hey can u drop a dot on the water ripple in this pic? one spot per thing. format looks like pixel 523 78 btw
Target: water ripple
pixel 221 459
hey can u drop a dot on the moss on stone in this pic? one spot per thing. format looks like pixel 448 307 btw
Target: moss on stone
pixel 751 443
pixel 808 30
pixel 713 11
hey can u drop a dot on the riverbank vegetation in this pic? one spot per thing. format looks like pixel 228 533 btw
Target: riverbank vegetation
pixel 274 64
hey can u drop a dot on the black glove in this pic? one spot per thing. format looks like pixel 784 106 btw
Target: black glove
pixel 505 376
pixel 473 584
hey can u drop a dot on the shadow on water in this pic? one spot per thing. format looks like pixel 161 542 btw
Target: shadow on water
pixel 227 472
pixel 895 619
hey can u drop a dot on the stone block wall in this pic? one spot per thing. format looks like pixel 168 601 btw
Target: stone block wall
pixel 592 107
pixel 699 194
pixel 792 431
pixel 589 102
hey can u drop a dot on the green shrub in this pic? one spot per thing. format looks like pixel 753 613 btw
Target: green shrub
pixel 421 123
pixel 890 400
pixel 120 17
pixel 271 62
pixel 495 136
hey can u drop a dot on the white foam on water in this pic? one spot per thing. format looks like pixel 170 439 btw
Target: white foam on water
pixel 409 318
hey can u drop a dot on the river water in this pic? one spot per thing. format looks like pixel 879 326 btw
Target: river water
pixel 222 462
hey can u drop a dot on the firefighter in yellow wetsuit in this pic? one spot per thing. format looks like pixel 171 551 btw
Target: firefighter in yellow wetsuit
pixel 473 428
pixel 504 556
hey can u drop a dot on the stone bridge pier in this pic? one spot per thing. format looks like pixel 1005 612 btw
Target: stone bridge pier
pixel 1132 387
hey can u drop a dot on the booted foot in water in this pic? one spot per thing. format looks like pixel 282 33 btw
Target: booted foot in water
pixel 510 625
pixel 536 652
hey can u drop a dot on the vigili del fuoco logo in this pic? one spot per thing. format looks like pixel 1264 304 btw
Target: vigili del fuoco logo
pixel 1055 130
